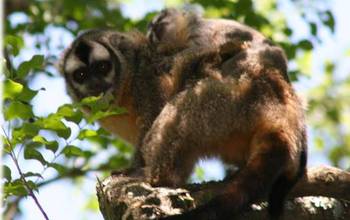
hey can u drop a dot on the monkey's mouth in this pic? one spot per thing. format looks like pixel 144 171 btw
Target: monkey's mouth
pixel 98 88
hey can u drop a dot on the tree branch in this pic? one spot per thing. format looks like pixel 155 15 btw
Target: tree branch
pixel 324 181
pixel 123 197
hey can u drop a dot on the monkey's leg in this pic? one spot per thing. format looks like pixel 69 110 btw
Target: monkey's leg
pixel 167 153
pixel 267 164
pixel 136 168
pixel 182 133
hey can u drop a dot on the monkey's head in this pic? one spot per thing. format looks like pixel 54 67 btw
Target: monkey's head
pixel 99 62
pixel 171 28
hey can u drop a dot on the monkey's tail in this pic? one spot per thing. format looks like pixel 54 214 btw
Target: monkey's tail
pixel 283 185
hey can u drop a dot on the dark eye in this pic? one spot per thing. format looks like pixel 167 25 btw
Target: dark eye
pixel 80 75
pixel 102 67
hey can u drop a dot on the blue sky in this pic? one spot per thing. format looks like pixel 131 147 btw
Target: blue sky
pixel 63 195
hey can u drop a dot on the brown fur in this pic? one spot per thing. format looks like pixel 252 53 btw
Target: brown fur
pixel 124 125
pixel 242 109
pixel 231 99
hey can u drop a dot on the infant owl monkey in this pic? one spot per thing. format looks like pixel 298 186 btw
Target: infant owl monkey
pixel 227 96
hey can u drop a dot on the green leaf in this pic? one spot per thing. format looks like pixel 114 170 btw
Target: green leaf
pixel 60 169
pixel 69 113
pixel 15 188
pixel 50 145
pixel 7 173
pixel 12 89
pixel 102 114
pixel 25 67
pixel 7 147
pixel 305 44
pixel 53 122
pixel 32 185
pixel 115 162
pixel 91 100
pixel 329 67
pixel 27 94
pixel 122 146
pixel 102 132
pixel 200 173
pixel 319 143
pixel 336 154
pixel 27 130
pixel 304 61
pixel 37 61
pixel 313 27
pixel 31 153
pixel 88 154
pixel 288 31
pixel 73 151
pixel 31 174
pixel 86 133
pixel 16 91
pixel 333 114
pixel 18 109
pixel 15 42
pixel 95 103
pixel 329 20
pixel 100 107
pixel 65 110
pixel 92 204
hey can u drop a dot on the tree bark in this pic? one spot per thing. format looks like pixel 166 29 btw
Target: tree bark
pixel 323 193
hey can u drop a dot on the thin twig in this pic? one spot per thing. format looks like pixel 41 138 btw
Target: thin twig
pixel 30 191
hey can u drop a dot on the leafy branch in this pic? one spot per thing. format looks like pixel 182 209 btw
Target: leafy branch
pixel 25 182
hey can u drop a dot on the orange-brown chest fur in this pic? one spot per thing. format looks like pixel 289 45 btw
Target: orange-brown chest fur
pixel 124 125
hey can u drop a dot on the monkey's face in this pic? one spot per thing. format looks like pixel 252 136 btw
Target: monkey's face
pixel 94 64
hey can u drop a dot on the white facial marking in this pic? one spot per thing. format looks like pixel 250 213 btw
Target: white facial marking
pixel 72 63
pixel 98 52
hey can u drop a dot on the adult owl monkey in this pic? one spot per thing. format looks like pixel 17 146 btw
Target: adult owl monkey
pixel 230 100
pixel 255 64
